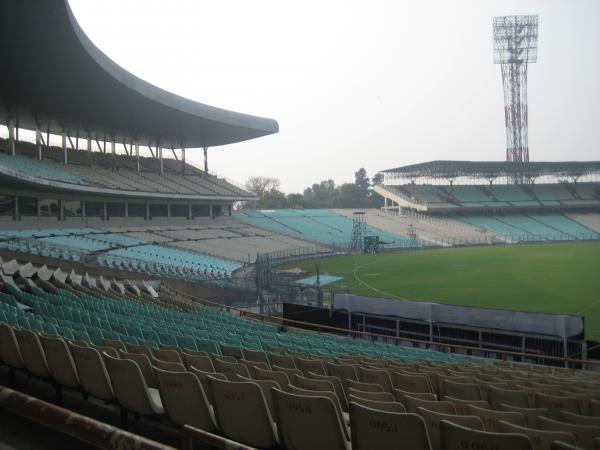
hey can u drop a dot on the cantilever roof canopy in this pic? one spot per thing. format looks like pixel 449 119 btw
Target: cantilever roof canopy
pixel 494 169
pixel 54 76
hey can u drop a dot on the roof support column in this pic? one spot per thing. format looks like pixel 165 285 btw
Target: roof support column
pixel 137 157
pixel 11 136
pixel 182 160
pixel 38 142
pixel 64 147
pixel 160 160
pixel 89 143
pixel 205 159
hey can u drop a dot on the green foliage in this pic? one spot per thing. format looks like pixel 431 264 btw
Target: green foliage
pixel 551 278
pixel 320 195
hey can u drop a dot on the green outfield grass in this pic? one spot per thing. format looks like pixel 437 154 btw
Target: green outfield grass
pixel 553 278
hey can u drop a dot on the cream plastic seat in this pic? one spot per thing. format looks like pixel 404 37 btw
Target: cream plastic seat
pixel 584 434
pixel 203 377
pixel 376 376
pixel 116 344
pixel 111 351
pixel 92 371
pixel 310 365
pixel 462 391
pixel 256 356
pixel 432 422
pixel 579 419
pixel 381 406
pixel 401 395
pixel 231 370
pixel 10 352
pixel 365 387
pixel 231 350
pixel 200 362
pixel 412 383
pixel 557 445
pixel 556 404
pixel 540 439
pixel 373 429
pixel 145 366
pixel 265 386
pixel 285 361
pixel 242 413
pixel 337 385
pixel 497 396
pixel 329 394
pixel 456 437
pixel 491 417
pixel 32 353
pixel 309 422
pixel 167 365
pixel 61 364
pixel 140 349
pixel 412 403
pixel 280 377
pixel 259 364
pixel 378 396
pixel 461 405
pixel 184 400
pixel 289 372
pixel 530 415
pixel 344 372
pixel 131 389
pixel 168 355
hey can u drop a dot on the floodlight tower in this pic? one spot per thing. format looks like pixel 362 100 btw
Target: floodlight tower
pixel 515 46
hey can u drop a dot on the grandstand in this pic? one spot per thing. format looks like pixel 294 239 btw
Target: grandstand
pixel 121 266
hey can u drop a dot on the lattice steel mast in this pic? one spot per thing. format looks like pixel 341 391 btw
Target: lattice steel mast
pixel 515 46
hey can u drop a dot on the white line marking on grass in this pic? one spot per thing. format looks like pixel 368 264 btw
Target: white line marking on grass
pixel 373 288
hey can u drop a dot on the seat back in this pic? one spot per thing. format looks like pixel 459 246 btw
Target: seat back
pixel 491 417
pixel 167 365
pixel 412 383
pixel 584 434
pixel 285 361
pixel 579 419
pixel 9 348
pixel 203 363
pixel 462 391
pixel 242 412
pixel 184 399
pixel 312 385
pixel 365 387
pixel 376 376
pixel 130 386
pixel 256 356
pixel 32 353
pixel 309 422
pixel 168 355
pixel 556 404
pixel 116 344
pixel 265 387
pixel 380 406
pixel 432 422
pixel 141 349
pixel 461 405
pixel 231 370
pixel 260 374
pixel 231 350
pixel 344 372
pixel 337 385
pixel 93 375
pixel 329 394
pixel 203 377
pixel 512 397
pixel 456 437
pixel 401 395
pixel 145 366
pixel 530 415
pixel 412 403
pixel 60 361
pixel 373 429
pixel 378 396
pixel 540 439
pixel 310 365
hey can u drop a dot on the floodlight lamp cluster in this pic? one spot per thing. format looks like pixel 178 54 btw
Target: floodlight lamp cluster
pixel 515 39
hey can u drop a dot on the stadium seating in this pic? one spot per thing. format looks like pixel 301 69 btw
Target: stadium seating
pixel 23 166
pixel 321 225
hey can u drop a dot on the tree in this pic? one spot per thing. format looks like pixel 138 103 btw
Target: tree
pixel 361 180
pixel 378 179
pixel 260 185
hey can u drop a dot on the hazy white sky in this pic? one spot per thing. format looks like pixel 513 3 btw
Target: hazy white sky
pixel 374 84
